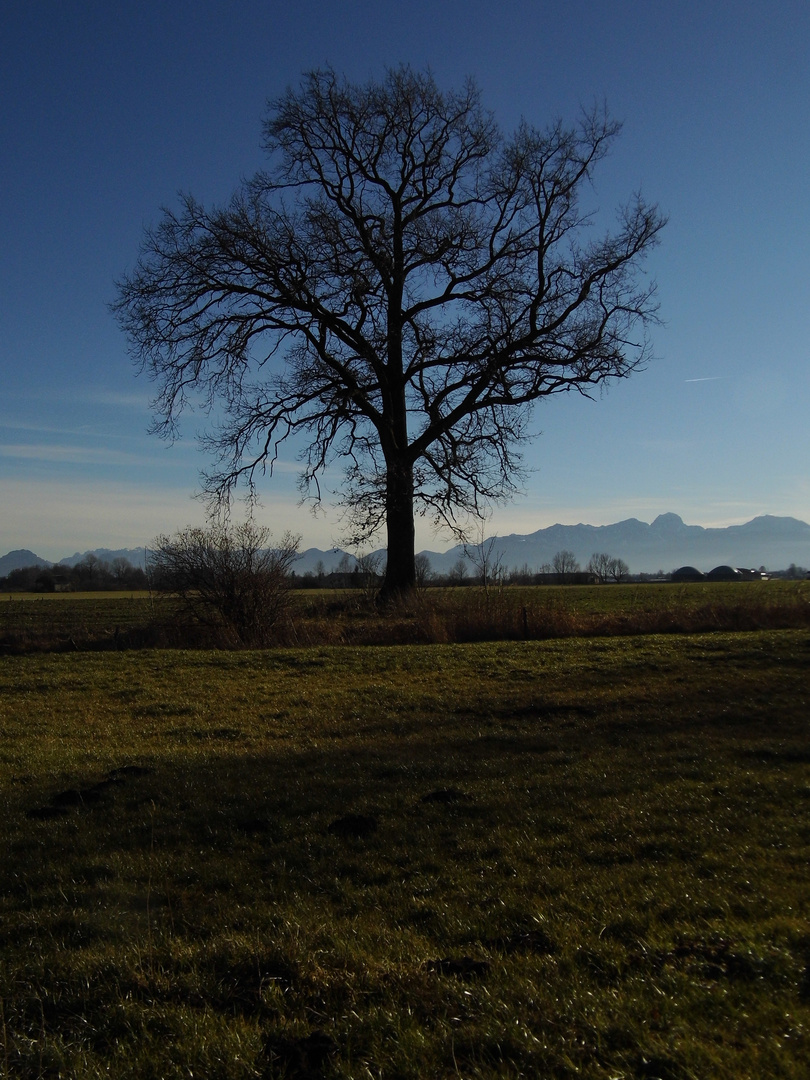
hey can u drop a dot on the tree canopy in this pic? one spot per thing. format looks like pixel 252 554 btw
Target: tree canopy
pixel 399 287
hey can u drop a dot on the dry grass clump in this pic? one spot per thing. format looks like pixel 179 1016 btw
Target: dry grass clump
pixel 443 616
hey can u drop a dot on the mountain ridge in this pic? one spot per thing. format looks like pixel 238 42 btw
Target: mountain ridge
pixel 664 544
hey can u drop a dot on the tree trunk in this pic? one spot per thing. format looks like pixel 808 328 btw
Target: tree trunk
pixel 400 570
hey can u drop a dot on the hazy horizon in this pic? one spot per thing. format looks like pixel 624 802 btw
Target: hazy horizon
pixel 438 545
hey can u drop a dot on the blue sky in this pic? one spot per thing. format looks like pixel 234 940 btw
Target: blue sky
pixel 108 109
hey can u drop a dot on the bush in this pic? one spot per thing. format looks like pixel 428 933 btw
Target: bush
pixel 227 577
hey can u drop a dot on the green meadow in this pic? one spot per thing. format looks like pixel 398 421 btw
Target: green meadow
pixel 585 856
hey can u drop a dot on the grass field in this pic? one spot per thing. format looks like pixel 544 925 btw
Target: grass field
pixel 586 857
pixel 71 621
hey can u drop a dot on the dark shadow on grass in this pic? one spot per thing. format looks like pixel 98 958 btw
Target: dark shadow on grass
pixel 421 818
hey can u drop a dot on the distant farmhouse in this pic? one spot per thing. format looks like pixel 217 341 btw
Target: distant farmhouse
pixel 720 573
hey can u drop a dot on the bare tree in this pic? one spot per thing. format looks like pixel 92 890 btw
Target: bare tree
pixel 564 565
pixel 347 564
pixel 233 578
pixel 608 568
pixel 618 570
pixel 521 575
pixel 370 563
pixel 423 570
pixel 484 555
pixel 399 288
pixel 369 568
pixel 599 566
pixel 458 573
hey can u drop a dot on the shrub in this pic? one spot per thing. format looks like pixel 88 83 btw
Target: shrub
pixel 227 577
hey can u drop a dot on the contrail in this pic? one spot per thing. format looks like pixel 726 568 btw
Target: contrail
pixel 708 378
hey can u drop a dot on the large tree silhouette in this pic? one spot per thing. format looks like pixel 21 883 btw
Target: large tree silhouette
pixel 400 287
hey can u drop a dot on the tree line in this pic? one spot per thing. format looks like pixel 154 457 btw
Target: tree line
pixel 91 574
pixel 482 564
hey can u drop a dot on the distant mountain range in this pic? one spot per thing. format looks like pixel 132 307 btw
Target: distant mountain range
pixel 667 543
pixel 16 560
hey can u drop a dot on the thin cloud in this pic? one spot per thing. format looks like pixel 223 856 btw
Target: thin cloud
pixel 115 397
pixel 84 395
pixel 81 431
pixel 70 455
pixel 94 433
pixel 63 454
